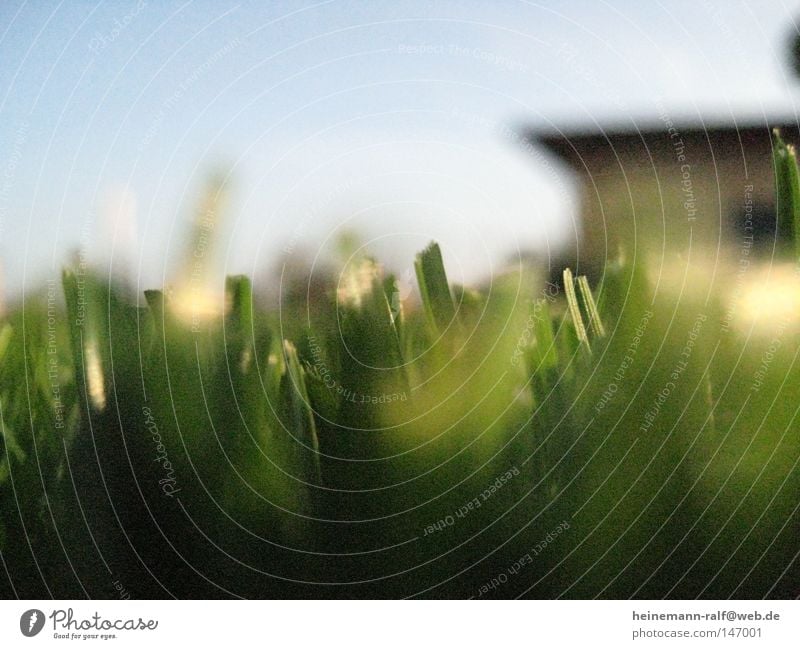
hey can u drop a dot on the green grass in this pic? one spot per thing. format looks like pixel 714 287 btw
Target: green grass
pixel 787 199
pixel 355 449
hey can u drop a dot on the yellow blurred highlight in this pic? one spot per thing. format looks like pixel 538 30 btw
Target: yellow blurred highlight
pixel 194 298
pixel 193 304
pixel 94 376
pixel 769 297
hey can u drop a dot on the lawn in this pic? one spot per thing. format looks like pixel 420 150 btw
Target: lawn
pixel 517 439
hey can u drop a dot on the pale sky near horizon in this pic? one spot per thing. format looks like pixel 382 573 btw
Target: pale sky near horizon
pixel 393 118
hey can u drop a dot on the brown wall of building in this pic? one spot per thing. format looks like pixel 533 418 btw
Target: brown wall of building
pixel 667 193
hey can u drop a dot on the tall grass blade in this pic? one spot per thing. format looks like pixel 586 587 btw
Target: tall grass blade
pixel 240 294
pixel 5 338
pixel 590 305
pixel 787 195
pixel 297 408
pixel 545 351
pixel 575 310
pixel 436 297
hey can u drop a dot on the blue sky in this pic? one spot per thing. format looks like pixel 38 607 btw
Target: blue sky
pixel 389 117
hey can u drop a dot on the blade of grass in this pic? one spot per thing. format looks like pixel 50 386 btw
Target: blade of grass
pixel 5 338
pixel 575 310
pixel 546 354
pixel 591 307
pixel 297 407
pixel 239 292
pixel 787 194
pixel 95 317
pixel 437 300
pixel 369 329
pixel 71 295
pixel 238 322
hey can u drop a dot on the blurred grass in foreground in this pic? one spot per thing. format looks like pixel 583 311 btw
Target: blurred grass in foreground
pixel 507 441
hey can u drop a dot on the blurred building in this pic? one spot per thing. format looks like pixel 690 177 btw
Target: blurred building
pixel 661 186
